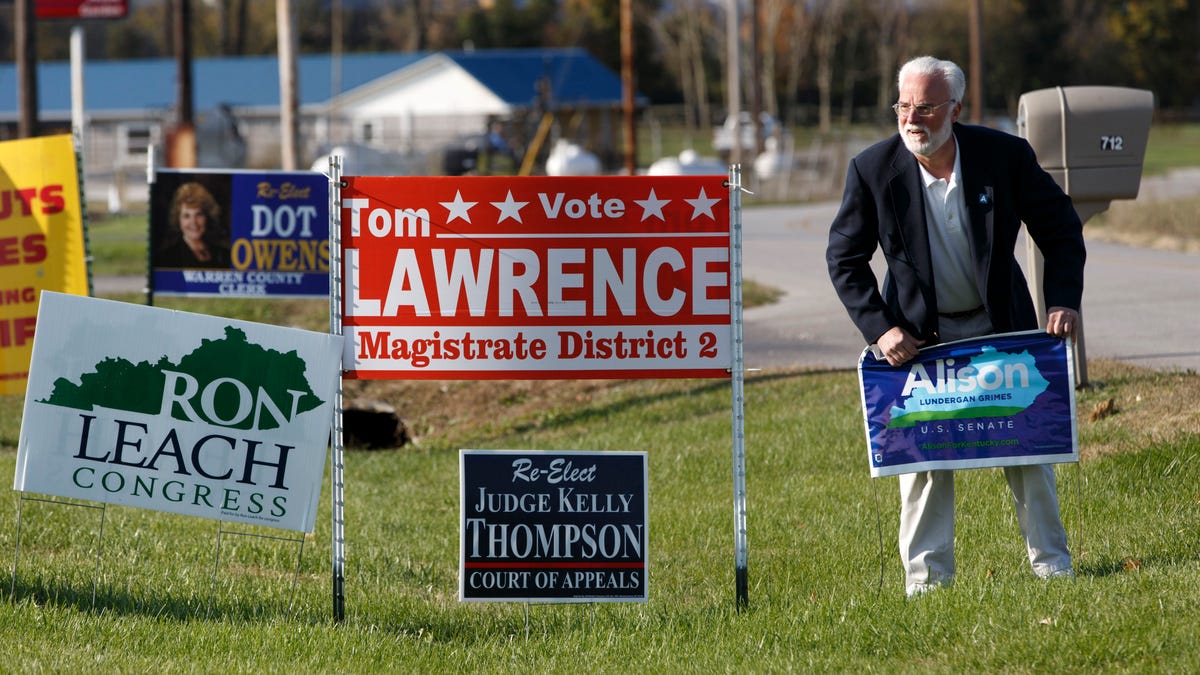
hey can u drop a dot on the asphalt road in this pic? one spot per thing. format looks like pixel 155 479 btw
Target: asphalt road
pixel 1140 305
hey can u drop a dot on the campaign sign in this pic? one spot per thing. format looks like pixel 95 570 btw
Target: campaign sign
pixel 553 526
pixel 171 411
pixel 997 400
pixel 41 242
pixel 536 277
pixel 80 9
pixel 239 234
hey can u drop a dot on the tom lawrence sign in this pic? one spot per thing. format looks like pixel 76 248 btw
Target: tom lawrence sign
pixel 553 526
pixel 999 400
pixel 500 277
pixel 177 412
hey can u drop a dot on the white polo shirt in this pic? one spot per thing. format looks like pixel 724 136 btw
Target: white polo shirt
pixel 949 245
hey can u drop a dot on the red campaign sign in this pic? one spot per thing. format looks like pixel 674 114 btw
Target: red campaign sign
pixel 80 9
pixel 535 278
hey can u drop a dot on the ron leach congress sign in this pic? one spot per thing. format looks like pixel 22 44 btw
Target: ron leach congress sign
pixel 500 277
pixel 177 412
pixel 553 526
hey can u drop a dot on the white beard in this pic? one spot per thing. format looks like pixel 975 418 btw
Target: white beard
pixel 933 139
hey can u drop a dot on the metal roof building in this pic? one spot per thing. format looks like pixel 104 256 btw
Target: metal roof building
pixel 115 88
pixel 406 102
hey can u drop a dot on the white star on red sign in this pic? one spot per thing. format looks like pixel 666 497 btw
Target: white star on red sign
pixel 702 204
pixel 652 206
pixel 509 208
pixel 458 208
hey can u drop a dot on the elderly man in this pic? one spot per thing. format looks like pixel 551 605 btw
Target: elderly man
pixel 944 202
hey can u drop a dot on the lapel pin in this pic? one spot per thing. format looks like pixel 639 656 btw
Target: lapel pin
pixel 984 199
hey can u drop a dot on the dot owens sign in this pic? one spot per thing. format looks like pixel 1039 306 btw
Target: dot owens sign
pixel 501 277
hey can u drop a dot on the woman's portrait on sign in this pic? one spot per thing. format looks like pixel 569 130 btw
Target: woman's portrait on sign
pixel 195 235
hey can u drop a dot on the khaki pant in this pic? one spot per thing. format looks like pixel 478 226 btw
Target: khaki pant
pixel 927 507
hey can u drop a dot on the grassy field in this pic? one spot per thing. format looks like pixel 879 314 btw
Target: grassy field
pixel 825 585
pixel 154 593
pixel 118 243
pixel 1170 225
pixel 1172 146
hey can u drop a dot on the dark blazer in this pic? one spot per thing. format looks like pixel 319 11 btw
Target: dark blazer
pixel 883 206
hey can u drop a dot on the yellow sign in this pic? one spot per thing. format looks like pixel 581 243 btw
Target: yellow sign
pixel 41 242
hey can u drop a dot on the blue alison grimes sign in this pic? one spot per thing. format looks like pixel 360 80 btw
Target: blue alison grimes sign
pixel 998 400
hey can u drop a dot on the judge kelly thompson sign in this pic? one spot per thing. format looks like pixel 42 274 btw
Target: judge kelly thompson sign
pixel 536 277
pixel 177 412
pixel 553 526
pixel 997 400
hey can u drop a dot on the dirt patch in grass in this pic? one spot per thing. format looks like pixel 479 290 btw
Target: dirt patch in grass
pixel 1125 409
pixel 441 412
pixel 1128 408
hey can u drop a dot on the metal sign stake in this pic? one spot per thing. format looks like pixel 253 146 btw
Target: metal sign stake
pixel 337 475
pixel 737 376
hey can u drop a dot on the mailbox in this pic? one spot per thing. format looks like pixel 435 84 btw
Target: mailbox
pixel 1092 140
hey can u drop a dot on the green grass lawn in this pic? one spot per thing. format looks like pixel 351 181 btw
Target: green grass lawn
pixel 825 584
pixel 118 244
pixel 1172 146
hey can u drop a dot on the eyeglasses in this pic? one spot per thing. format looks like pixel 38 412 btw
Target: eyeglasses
pixel 925 110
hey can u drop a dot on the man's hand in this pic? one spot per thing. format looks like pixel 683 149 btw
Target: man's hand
pixel 1062 321
pixel 898 346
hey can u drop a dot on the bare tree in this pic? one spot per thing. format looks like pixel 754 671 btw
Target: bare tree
pixel 231 26
pixel 772 14
pixel 851 72
pixel 830 31
pixel 26 53
pixel 670 33
pixel 699 34
pixel 423 20
pixel 891 17
pixel 800 31
pixel 686 36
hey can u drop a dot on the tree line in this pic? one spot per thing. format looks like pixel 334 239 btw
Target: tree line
pixel 819 62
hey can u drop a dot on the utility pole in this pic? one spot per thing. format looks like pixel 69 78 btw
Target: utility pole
pixel 975 30
pixel 335 72
pixel 733 80
pixel 627 88
pixel 25 45
pixel 289 99
pixel 181 143
pixel 756 64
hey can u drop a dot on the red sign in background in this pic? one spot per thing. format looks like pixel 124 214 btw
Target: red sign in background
pixel 535 277
pixel 80 9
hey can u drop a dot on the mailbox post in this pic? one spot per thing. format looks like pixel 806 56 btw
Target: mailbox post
pixel 1092 141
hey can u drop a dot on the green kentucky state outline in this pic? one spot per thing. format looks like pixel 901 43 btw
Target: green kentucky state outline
pixel 980 401
pixel 121 385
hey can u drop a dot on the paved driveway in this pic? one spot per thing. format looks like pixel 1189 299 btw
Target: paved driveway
pixel 1140 305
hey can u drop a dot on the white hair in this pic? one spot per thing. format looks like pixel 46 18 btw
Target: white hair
pixel 947 70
